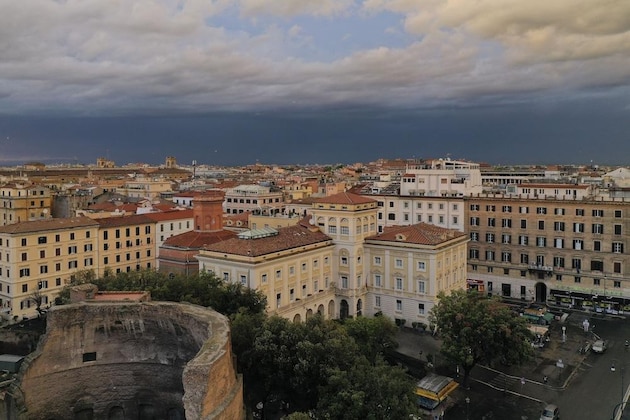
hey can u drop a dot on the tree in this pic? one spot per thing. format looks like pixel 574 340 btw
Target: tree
pixel 373 335
pixel 476 329
pixel 38 299
pixel 367 391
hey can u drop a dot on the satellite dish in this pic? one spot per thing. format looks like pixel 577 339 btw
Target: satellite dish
pixel 311 221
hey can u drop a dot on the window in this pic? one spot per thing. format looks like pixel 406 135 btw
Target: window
pixel 474 236
pixel 377 260
pixel 523 224
pixel 41 240
pixel 399 283
pixel 617 247
pixel 422 266
pixel 558 277
pixel 597 228
pixel 377 280
pixel 25 272
pixel 579 212
pixel 541 210
pixel 243 280
pixel 474 207
pixel 558 243
pixel 523 209
pixel 291 270
pixel 24 256
pixel 72 249
pixel 598 213
pixel 506 223
pixel 490 237
pixel 87 262
pixel 541 241
pixel 524 258
pixel 617 267
pixel 399 305
pixel 278 274
pixel 473 254
pixel 24 288
pixel 506 239
pixel 489 255
pixel 23 241
pixel 72 236
pixel 578 244
pixel 576 263
pixel 541 225
pixel 332 229
pixel 344 282
pixel 345 230
pixel 577 279
pixel 58 238
pixel 73 264
pixel 344 260
pixel 42 254
pixel 263 278
pixel 491 221
pixel 558 211
pixel 391 216
pixel 596 282
pixel 616 284
pixel 597 245
pixel 278 299
pixel 399 263
pixel 558 226
pixel 597 265
pixel 506 256
pixel 617 229
pixel 43 269
pixel 377 301
pixel 490 208
pixel 578 227
pixel 507 209
pixel 421 286
pixel 523 240
pixel 617 214
pixel 421 308
pixel 87 247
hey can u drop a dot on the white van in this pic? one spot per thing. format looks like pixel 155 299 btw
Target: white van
pixel 599 346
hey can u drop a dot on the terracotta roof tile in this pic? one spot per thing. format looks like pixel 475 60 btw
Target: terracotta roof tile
pixel 345 198
pixel 287 238
pixel 135 219
pixel 198 239
pixel 170 215
pixel 421 234
pixel 49 224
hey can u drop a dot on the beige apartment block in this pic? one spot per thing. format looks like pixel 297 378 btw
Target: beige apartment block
pixel 24 202
pixel 253 198
pixel 145 187
pixel 570 252
pixel 408 266
pixel 38 258
pixel 126 244
pixel 291 266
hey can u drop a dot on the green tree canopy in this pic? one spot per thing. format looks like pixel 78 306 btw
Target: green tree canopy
pixel 476 329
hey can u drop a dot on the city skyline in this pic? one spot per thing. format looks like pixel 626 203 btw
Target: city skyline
pixel 292 82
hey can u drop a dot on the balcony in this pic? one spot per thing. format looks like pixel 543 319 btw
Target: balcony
pixel 545 268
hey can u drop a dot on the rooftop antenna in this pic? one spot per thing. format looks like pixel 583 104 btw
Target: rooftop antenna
pixel 194 165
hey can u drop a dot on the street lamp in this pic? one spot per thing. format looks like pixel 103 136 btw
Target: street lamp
pixel 467 408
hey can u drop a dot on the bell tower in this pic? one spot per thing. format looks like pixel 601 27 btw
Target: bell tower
pixel 208 212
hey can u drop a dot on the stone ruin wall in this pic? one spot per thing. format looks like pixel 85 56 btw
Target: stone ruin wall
pixel 119 361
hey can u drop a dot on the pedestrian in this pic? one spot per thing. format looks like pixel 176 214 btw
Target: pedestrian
pixel 545 379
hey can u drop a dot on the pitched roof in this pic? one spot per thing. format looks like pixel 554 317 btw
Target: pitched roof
pixel 421 234
pixel 287 238
pixel 170 215
pixel 134 219
pixel 49 224
pixel 345 198
pixel 198 239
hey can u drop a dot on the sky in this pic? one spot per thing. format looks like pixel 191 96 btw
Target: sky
pixel 234 82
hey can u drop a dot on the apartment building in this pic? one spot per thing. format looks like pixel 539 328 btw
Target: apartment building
pixel 24 202
pixel 253 198
pixel 126 244
pixel 569 249
pixel 168 224
pixel 38 258
pixel 408 266
pixel 336 263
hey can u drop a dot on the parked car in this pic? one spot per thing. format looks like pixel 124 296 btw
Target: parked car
pixel 599 346
pixel 550 412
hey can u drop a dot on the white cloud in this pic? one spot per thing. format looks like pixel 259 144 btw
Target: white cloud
pixel 136 55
